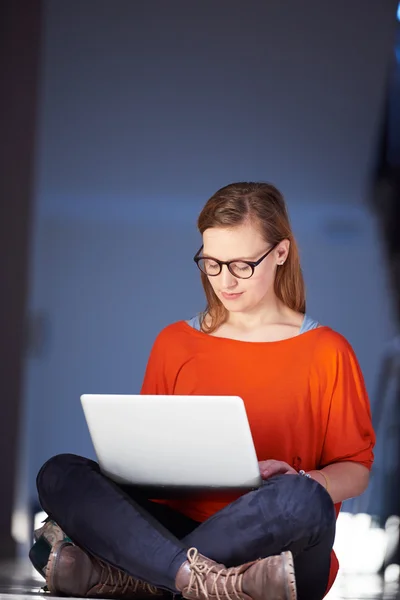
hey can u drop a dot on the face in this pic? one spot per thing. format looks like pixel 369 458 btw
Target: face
pixel 243 242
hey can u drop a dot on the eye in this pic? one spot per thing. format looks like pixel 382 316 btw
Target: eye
pixel 241 268
pixel 209 266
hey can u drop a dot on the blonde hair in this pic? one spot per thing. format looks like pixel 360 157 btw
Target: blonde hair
pixel 262 204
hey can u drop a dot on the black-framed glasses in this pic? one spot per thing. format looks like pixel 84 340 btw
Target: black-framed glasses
pixel 243 269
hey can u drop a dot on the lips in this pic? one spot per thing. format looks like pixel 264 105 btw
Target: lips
pixel 229 296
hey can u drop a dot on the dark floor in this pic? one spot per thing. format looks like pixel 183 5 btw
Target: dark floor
pixel 18 579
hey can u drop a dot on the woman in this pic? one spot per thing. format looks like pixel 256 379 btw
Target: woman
pixel 308 412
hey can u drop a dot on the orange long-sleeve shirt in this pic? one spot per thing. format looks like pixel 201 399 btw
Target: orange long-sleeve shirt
pixel 305 396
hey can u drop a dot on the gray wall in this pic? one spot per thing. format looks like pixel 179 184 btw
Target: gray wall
pixel 146 109
pixel 168 101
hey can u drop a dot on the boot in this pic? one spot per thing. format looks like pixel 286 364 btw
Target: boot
pixel 50 531
pixel 72 572
pixel 44 539
pixel 200 578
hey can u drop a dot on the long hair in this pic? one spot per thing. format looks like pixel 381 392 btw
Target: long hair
pixel 262 204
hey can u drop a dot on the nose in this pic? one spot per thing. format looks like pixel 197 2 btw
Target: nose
pixel 228 280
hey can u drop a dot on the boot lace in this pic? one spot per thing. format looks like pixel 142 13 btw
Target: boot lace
pixel 122 582
pixel 199 569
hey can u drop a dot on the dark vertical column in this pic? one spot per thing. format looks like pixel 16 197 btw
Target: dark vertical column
pixel 20 25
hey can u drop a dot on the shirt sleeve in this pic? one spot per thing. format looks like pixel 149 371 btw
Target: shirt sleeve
pixel 349 434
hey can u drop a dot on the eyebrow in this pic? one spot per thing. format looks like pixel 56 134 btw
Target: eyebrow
pixel 253 259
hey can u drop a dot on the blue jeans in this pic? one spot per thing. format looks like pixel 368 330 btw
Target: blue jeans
pixel 149 540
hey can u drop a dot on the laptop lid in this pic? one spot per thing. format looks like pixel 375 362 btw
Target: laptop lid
pixel 174 441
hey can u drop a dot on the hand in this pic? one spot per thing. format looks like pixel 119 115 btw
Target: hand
pixel 268 468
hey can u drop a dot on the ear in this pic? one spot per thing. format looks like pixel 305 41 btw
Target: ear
pixel 281 252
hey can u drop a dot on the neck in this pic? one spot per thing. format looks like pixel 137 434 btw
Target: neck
pixel 271 312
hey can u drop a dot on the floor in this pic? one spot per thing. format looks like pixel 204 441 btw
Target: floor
pixel 19 580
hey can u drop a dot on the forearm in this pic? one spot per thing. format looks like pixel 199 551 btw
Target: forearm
pixel 345 480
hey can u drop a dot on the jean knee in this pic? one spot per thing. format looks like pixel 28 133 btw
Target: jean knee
pixel 53 473
pixel 303 501
pixel 317 506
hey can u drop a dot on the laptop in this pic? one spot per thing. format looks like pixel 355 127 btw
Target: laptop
pixel 175 442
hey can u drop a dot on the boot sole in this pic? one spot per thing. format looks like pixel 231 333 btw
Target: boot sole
pixel 289 575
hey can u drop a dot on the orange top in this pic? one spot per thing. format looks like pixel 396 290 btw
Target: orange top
pixel 305 397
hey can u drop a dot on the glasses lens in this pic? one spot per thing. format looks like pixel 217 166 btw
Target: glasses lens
pixel 241 269
pixel 209 266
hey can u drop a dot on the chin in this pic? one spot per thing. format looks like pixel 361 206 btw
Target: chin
pixel 235 306
pixel 241 305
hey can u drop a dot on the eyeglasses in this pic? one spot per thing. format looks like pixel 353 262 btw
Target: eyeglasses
pixel 243 269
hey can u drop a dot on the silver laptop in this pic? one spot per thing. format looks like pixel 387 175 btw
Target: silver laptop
pixel 174 441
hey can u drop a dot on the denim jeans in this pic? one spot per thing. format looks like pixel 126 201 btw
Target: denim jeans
pixel 149 540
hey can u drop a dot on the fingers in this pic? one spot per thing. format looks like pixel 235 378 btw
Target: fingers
pixel 269 468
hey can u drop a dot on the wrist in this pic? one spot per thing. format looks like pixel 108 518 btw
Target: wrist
pixel 319 478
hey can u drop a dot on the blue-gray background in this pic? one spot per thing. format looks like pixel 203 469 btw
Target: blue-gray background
pixel 146 108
